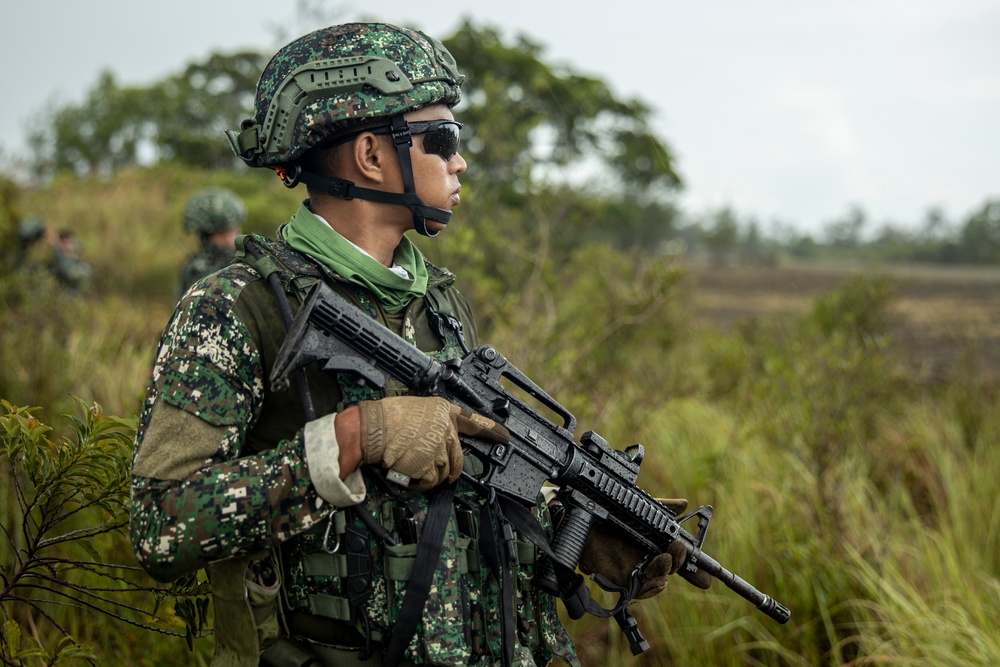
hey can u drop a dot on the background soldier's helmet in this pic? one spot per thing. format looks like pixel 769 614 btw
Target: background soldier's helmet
pixel 29 230
pixel 214 210
pixel 334 79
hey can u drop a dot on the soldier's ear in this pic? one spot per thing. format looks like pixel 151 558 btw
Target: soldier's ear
pixel 370 156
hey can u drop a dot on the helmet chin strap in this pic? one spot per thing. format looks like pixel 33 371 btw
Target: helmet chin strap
pixel 403 140
pixel 343 189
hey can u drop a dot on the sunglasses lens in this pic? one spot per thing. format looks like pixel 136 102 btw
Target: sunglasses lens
pixel 443 140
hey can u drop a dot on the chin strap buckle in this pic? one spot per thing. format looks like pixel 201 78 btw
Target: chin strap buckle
pixel 289 178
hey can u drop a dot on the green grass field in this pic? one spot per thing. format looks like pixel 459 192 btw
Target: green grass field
pixel 843 423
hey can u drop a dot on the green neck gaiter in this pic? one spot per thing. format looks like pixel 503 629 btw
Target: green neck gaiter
pixel 311 236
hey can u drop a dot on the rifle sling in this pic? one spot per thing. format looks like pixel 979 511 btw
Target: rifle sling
pixel 526 524
pixel 496 559
pixel 419 586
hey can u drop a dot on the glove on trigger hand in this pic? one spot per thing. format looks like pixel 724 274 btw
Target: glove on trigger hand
pixel 417 436
pixel 607 552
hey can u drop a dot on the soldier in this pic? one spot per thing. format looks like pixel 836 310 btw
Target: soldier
pixel 68 266
pixel 65 263
pixel 216 215
pixel 314 556
pixel 26 234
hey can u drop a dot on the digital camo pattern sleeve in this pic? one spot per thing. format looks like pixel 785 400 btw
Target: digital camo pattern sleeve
pixel 195 497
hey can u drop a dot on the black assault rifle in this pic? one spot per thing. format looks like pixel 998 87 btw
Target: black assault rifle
pixel 597 483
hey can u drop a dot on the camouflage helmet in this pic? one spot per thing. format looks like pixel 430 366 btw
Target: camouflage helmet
pixel 214 210
pixel 29 230
pixel 334 79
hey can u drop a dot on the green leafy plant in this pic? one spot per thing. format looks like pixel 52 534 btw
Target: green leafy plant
pixel 64 556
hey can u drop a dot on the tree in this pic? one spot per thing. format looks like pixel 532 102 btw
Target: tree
pixel 846 232
pixel 98 136
pixel 526 120
pixel 180 118
pixel 190 112
pixel 63 551
pixel 526 117
pixel 721 234
pixel 979 239
pixel 935 223
pixel 556 160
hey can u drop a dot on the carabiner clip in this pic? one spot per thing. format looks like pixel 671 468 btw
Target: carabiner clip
pixel 326 537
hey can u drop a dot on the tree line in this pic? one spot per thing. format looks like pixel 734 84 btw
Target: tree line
pixel 535 132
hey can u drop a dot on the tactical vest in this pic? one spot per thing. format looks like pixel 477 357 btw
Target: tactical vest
pixel 341 586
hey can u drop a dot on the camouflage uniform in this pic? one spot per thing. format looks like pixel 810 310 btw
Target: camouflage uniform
pixel 220 475
pixel 209 259
pixel 208 211
pixel 221 478
pixel 72 271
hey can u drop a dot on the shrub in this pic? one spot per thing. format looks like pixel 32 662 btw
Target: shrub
pixel 64 555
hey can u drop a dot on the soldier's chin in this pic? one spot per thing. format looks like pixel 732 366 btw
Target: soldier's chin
pixel 434 227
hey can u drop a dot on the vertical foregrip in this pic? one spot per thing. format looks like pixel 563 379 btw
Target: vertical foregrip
pixel 567 546
pixel 572 536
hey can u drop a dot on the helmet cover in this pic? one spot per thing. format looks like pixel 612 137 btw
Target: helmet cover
pixel 214 210
pixel 29 230
pixel 331 80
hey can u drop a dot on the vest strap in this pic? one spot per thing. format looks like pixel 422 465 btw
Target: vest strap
pixel 265 266
pixel 401 569
pixel 321 564
pixel 330 606
pixel 443 321
pixel 428 554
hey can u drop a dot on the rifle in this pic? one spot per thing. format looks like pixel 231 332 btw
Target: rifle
pixel 597 483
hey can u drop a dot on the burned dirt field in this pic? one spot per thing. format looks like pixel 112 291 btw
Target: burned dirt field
pixel 943 320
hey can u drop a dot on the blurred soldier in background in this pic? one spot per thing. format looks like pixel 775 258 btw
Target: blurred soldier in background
pixel 27 232
pixel 216 215
pixel 65 263
pixel 68 267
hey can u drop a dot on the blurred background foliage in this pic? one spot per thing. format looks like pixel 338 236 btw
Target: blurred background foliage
pixel 859 495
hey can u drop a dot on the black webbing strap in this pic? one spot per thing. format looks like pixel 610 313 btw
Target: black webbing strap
pixel 270 274
pixel 444 323
pixel 491 520
pixel 419 587
pixel 527 525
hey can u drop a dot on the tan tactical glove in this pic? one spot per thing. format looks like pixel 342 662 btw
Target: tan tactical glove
pixel 607 553
pixel 417 437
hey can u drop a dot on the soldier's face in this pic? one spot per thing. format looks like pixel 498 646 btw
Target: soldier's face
pixel 225 238
pixel 435 178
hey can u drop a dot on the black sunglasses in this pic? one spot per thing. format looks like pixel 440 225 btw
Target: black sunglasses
pixel 441 137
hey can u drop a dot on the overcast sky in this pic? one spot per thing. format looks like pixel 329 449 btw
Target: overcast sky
pixel 785 110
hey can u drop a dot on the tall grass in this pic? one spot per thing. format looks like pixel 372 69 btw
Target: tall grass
pixel 56 346
pixel 858 498
pixel 848 494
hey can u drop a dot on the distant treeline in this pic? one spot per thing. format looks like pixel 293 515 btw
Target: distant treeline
pixel 974 239
pixel 531 129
